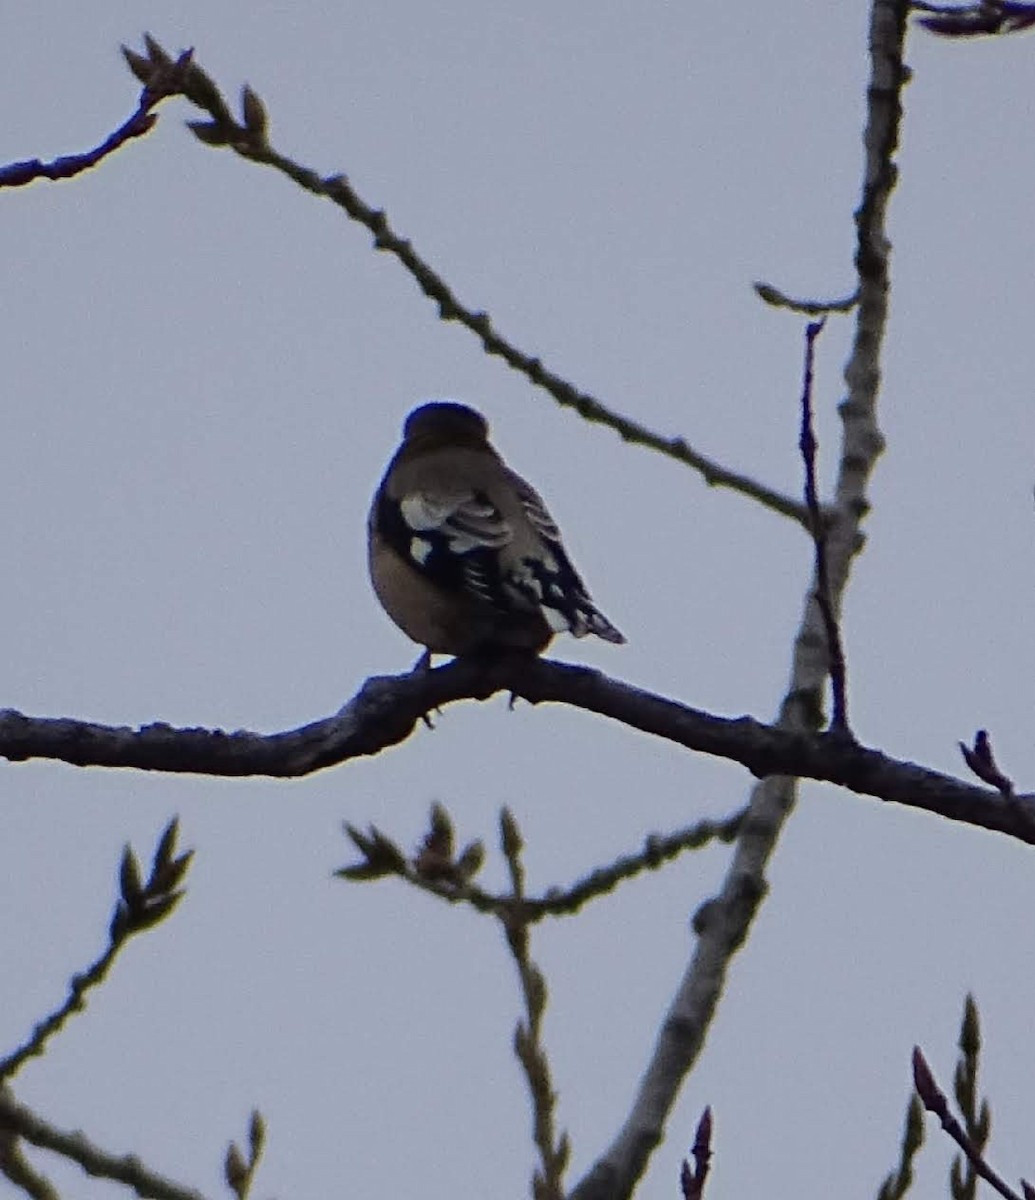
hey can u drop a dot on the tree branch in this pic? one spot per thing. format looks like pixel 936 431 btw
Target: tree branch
pixel 140 906
pixel 165 80
pixel 250 139
pixel 800 304
pixel 449 874
pixel 16 1168
pixel 387 709
pixel 987 17
pixel 126 1169
pixel 692 1179
pixel 934 1101
pixel 807 444
pixel 554 1150
pixel 722 924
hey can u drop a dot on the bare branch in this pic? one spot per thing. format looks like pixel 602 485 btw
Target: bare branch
pixel 554 1150
pixel 16 1168
pixel 140 906
pixel 934 1101
pixel 977 1118
pixel 898 1183
pixel 723 923
pixel 167 80
pixel 975 20
pixel 450 878
pixel 807 445
pixel 239 1168
pixel 126 1169
pixel 386 710
pixel 692 1178
pixel 982 762
pixel 249 138
pixel 809 308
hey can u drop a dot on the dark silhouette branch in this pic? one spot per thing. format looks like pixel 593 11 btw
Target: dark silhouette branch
pixel 982 762
pixel 16 1168
pixel 387 709
pixel 935 1102
pixel 249 138
pixel 17 1119
pixel 723 922
pixel 692 1179
pixel 449 874
pixel 165 80
pixel 141 905
pixel 807 445
pixel 986 18
pixel 554 1149
pixel 800 304
pixel 239 1168
pixel 897 1184
pixel 439 868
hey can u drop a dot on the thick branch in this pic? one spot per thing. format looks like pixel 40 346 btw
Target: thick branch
pixel 723 923
pixel 387 709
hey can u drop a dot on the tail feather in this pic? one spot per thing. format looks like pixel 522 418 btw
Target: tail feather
pixel 592 620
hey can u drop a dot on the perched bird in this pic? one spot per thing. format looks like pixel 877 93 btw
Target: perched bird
pixel 464 556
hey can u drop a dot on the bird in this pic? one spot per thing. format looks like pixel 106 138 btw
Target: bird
pixel 463 553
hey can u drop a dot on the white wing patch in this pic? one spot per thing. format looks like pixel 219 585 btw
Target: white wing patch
pixel 420 548
pixel 421 510
pixel 467 521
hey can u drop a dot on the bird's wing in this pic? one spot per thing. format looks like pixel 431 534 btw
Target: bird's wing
pixel 463 518
pixel 455 535
pixel 536 511
pixel 551 580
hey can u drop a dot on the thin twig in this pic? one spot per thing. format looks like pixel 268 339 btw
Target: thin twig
pixel 982 762
pixel 75 1002
pixel 554 1151
pixel 899 1181
pixel 809 308
pixel 975 20
pixel 450 878
pixel 76 1147
pixel 140 906
pixel 167 80
pixel 239 1168
pixel 249 138
pixel 692 1179
pixel 807 445
pixel 935 1102
pixel 16 1168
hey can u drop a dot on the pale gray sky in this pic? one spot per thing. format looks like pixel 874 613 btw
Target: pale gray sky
pixel 206 370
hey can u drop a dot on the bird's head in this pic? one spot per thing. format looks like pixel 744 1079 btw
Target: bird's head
pixel 446 422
